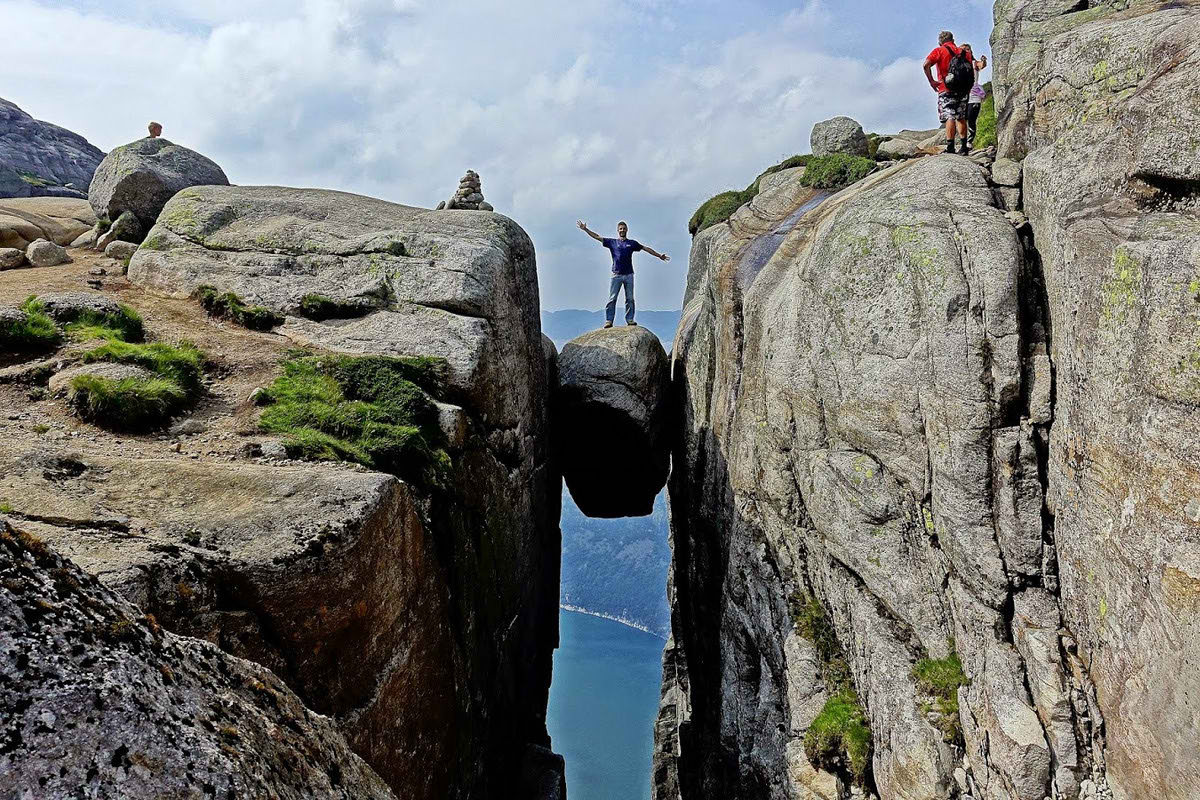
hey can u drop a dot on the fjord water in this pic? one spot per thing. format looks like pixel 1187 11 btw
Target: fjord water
pixel 603 701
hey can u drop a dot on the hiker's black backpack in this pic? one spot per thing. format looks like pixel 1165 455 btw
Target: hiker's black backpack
pixel 961 75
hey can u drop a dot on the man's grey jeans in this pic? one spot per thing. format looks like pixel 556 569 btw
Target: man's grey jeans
pixel 614 289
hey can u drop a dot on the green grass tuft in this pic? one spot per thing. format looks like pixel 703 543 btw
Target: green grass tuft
pixel 941 678
pixel 840 736
pixel 125 326
pixel 126 404
pixel 37 332
pixel 371 410
pixel 320 307
pixel 229 306
pixel 719 209
pixel 182 363
pixel 985 130
pixel 836 171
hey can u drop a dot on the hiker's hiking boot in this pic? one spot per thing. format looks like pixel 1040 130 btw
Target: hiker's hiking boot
pixel 631 324
pixel 966 148
pixel 950 146
pixel 608 324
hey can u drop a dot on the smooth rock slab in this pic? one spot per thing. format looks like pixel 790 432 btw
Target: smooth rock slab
pixel 611 418
pixel 46 254
pixel 60 220
pixel 839 135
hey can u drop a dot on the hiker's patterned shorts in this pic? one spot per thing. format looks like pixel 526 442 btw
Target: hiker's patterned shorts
pixel 951 107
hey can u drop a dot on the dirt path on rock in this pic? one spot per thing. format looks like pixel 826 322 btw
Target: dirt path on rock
pixel 220 426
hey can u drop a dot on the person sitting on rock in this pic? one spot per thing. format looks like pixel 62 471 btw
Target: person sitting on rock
pixel 155 130
pixel 976 97
pixel 952 106
pixel 622 249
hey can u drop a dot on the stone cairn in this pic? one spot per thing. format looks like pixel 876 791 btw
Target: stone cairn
pixel 469 196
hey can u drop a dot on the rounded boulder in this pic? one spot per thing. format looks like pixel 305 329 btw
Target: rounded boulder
pixel 612 420
pixel 142 176
pixel 839 135
pixel 43 253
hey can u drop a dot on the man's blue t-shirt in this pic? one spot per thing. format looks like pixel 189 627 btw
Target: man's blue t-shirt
pixel 622 254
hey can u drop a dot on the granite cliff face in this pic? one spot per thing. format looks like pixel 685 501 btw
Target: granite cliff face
pixel 419 618
pixel 935 466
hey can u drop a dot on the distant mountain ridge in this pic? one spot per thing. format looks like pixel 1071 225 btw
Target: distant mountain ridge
pixel 38 158
pixel 617 568
pixel 563 326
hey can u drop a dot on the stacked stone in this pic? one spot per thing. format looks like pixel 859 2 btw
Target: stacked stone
pixel 469 196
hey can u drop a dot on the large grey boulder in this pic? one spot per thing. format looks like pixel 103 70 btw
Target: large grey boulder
pixel 42 253
pixel 839 135
pixel 611 416
pixel 100 701
pixel 473 600
pixel 140 177
pixel 37 158
pixel 1103 107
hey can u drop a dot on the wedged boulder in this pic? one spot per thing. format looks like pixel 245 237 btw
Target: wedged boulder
pixel 611 421
pixel 99 699
pixel 42 253
pixel 125 228
pixel 839 135
pixel 59 220
pixel 140 177
pixel 38 158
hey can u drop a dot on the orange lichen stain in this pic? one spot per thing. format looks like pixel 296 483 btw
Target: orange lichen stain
pixel 1182 591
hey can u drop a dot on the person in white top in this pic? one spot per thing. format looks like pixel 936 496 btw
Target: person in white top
pixel 976 97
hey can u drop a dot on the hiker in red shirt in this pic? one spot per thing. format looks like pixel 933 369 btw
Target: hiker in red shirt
pixel 952 97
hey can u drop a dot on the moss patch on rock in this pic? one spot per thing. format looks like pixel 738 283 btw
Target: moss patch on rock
pixel 126 326
pixel 377 411
pixel 836 170
pixel 840 736
pixel 720 208
pixel 228 305
pixel 941 678
pixel 321 307
pixel 138 403
pixel 182 363
pixel 126 404
pixel 32 331
pixel 839 739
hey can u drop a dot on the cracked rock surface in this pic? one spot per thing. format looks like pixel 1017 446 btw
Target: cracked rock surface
pixel 100 701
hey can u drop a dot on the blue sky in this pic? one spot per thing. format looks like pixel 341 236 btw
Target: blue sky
pixel 593 109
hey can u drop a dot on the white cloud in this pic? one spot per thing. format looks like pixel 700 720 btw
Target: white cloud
pixel 594 109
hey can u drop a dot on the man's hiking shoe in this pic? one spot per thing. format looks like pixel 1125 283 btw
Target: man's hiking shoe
pixel 950 146
pixel 608 324
pixel 631 323
pixel 966 148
